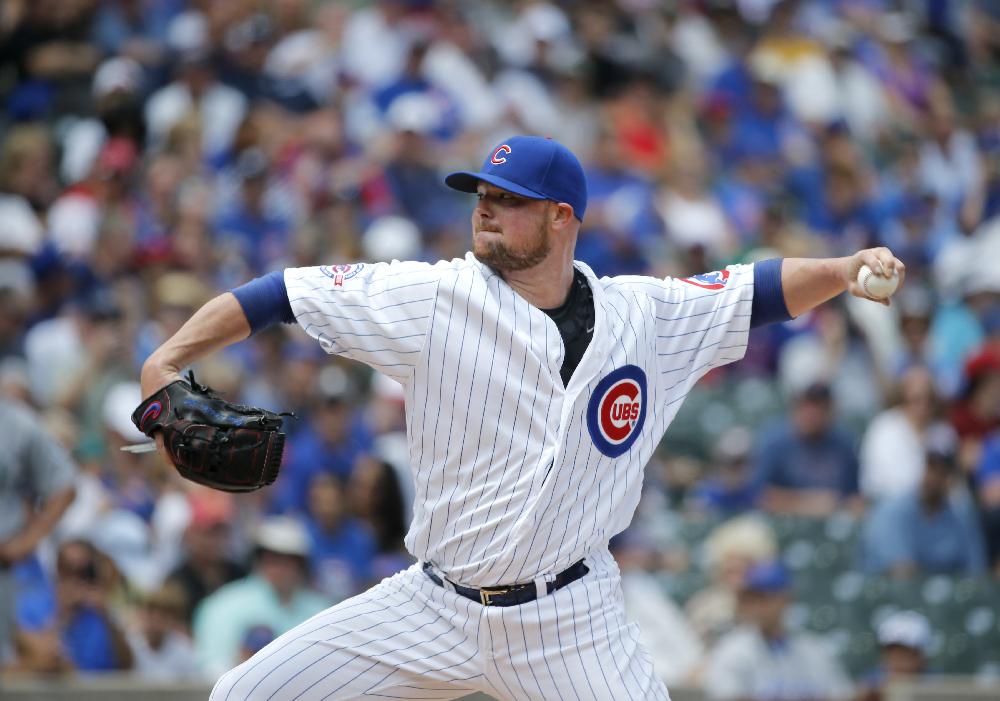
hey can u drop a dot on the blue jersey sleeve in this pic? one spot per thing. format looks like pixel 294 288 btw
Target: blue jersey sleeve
pixel 768 304
pixel 265 301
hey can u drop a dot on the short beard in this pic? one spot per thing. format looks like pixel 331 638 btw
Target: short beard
pixel 499 256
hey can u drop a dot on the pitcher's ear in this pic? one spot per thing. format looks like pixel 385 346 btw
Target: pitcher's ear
pixel 561 214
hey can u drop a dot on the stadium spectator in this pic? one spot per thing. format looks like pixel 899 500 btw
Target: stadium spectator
pixel 806 465
pixel 833 351
pixel 205 565
pixel 987 484
pixel 976 413
pixel 623 225
pixel 730 551
pixel 933 528
pixel 142 524
pixel 761 659
pixel 904 638
pixel 376 497
pixel 892 450
pixel 160 641
pixel 916 308
pixel 17 290
pixel 728 487
pixel 47 45
pixel 275 594
pixel 195 88
pixel 27 175
pixel 250 225
pixel 36 488
pixel 691 213
pixel 342 547
pixel 332 440
pixel 70 625
pixel 666 633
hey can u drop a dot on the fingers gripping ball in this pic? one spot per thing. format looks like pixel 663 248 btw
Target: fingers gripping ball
pixel 875 285
pixel 222 445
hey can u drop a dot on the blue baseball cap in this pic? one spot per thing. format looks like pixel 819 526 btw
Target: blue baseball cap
pixel 531 166
pixel 767 577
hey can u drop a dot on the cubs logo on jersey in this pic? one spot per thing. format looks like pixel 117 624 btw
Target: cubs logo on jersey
pixel 715 280
pixel 617 410
pixel 339 273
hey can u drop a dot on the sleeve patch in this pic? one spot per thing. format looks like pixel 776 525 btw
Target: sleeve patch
pixel 715 280
pixel 340 273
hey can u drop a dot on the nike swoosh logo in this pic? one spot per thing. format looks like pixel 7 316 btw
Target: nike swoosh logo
pixel 590 329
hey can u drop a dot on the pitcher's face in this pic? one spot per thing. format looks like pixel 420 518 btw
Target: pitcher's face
pixel 509 232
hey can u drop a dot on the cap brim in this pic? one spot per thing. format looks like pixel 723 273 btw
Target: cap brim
pixel 466 181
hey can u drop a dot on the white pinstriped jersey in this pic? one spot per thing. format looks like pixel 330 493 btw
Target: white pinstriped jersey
pixel 516 475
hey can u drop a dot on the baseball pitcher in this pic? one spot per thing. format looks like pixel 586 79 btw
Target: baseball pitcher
pixel 536 392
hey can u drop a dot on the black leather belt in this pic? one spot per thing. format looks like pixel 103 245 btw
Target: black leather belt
pixel 511 594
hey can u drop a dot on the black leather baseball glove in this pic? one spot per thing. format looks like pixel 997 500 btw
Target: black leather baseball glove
pixel 211 441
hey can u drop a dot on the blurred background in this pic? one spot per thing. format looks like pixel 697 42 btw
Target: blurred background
pixel 838 489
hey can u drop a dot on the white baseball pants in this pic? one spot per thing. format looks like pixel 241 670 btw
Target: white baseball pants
pixel 408 638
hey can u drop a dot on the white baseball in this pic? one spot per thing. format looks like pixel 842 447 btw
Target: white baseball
pixel 877 286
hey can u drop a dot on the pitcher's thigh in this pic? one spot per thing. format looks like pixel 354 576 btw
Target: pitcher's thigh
pixel 574 645
pixel 393 641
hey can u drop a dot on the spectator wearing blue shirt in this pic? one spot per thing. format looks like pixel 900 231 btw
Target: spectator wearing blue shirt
pixel 375 493
pixel 806 465
pixel 73 629
pixel 832 193
pixel 331 442
pixel 413 81
pixel 91 638
pixel 933 529
pixel 729 488
pixel 410 173
pixel 342 547
pixel 250 224
pixel 622 226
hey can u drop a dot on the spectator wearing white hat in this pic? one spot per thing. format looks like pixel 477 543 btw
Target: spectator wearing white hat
pixel 275 594
pixel 904 638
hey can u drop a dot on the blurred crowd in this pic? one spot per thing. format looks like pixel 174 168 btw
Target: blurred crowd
pixel 154 153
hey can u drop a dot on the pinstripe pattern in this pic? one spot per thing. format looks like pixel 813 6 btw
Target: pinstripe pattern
pixel 509 483
pixel 408 638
